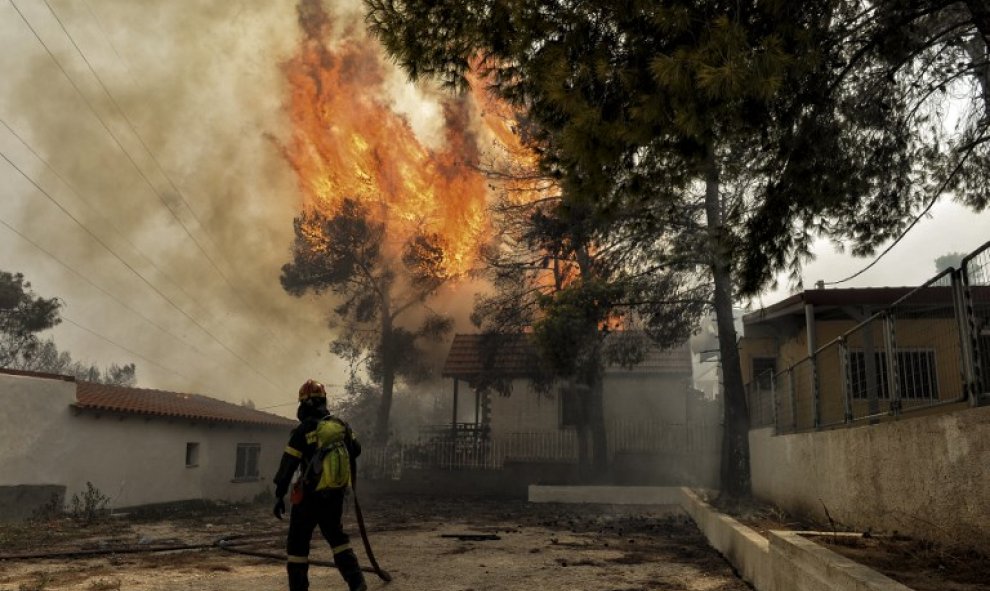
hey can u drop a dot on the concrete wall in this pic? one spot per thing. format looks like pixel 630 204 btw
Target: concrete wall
pixel 925 476
pixel 629 396
pixel 132 459
pixel 524 411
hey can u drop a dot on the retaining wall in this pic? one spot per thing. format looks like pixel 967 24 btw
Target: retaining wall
pixel 924 476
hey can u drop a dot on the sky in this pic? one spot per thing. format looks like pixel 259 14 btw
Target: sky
pixel 169 207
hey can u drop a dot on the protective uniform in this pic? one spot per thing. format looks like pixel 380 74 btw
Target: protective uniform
pixel 321 448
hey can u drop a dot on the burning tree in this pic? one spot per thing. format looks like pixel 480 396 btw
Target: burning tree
pixel 380 293
pixel 785 121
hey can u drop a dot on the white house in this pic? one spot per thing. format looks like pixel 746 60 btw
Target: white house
pixel 656 423
pixel 136 446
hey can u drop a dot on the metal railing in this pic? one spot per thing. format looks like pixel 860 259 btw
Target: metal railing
pixel 929 348
pixel 975 296
pixel 558 446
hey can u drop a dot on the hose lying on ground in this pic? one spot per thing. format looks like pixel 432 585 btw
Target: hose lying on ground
pixel 232 543
pixel 235 548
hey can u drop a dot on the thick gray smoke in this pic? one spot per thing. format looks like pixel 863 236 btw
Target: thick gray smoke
pixel 201 85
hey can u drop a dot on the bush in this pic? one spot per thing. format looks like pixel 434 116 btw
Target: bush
pixel 91 505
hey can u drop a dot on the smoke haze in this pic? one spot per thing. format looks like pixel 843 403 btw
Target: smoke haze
pixel 204 87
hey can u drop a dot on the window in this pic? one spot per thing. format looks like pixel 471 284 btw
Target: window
pixel 247 461
pixel 915 368
pixel 192 455
pixel 763 370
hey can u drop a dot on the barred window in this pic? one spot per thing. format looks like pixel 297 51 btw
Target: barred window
pixel 763 370
pixel 916 372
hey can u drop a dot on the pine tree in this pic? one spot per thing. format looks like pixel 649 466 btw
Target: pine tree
pixel 376 292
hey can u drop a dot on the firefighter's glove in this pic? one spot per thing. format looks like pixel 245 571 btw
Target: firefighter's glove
pixel 279 509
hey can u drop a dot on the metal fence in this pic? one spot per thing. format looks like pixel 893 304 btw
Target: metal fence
pixel 929 348
pixel 558 446
pixel 975 270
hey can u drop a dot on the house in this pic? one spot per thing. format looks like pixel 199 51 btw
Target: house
pixel 824 357
pixel 136 446
pixel 649 408
pixel 869 406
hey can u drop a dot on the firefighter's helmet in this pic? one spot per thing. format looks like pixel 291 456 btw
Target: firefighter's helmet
pixel 311 389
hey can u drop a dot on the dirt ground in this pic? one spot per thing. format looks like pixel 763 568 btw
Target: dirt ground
pixel 919 565
pixel 553 547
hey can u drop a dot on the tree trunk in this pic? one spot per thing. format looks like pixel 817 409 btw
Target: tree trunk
pixel 591 372
pixel 735 438
pixel 388 380
pixel 596 422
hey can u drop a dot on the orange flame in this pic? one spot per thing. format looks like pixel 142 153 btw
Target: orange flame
pixel 347 142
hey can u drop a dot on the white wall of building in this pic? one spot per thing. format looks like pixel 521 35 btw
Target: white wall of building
pixel 133 459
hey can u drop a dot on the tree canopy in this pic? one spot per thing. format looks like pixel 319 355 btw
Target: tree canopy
pixel 752 127
pixel 24 315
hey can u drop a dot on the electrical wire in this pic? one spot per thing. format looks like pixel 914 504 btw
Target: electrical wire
pixel 914 222
pixel 104 218
pixel 108 294
pixel 161 168
pixel 123 347
pixel 102 243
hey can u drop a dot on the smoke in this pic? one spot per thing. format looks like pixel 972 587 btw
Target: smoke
pixel 202 86
pixel 206 89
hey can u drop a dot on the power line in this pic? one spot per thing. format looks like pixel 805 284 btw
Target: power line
pixel 93 208
pixel 98 288
pixel 183 312
pixel 914 222
pixel 103 243
pixel 158 164
pixel 128 155
pixel 118 345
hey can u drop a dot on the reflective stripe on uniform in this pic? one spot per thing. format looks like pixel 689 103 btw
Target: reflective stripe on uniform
pixel 293 452
pixel 341 548
pixel 297 559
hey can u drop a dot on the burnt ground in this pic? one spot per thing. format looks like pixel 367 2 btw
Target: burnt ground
pixel 545 546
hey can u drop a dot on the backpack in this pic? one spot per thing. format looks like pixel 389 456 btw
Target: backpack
pixel 330 466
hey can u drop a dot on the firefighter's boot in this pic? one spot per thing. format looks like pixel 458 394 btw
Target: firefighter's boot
pixel 347 564
pixel 298 576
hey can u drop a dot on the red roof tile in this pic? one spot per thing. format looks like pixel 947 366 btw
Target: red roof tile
pixel 160 403
pixel 517 357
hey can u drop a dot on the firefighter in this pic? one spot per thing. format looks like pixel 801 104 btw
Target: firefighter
pixel 321 448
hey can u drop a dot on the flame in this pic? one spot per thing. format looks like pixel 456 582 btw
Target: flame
pixel 347 142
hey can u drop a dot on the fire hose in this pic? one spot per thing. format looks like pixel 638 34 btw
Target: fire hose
pixel 382 574
pixel 233 543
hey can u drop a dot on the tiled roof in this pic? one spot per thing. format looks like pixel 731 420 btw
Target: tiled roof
pixel 516 356
pixel 160 403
